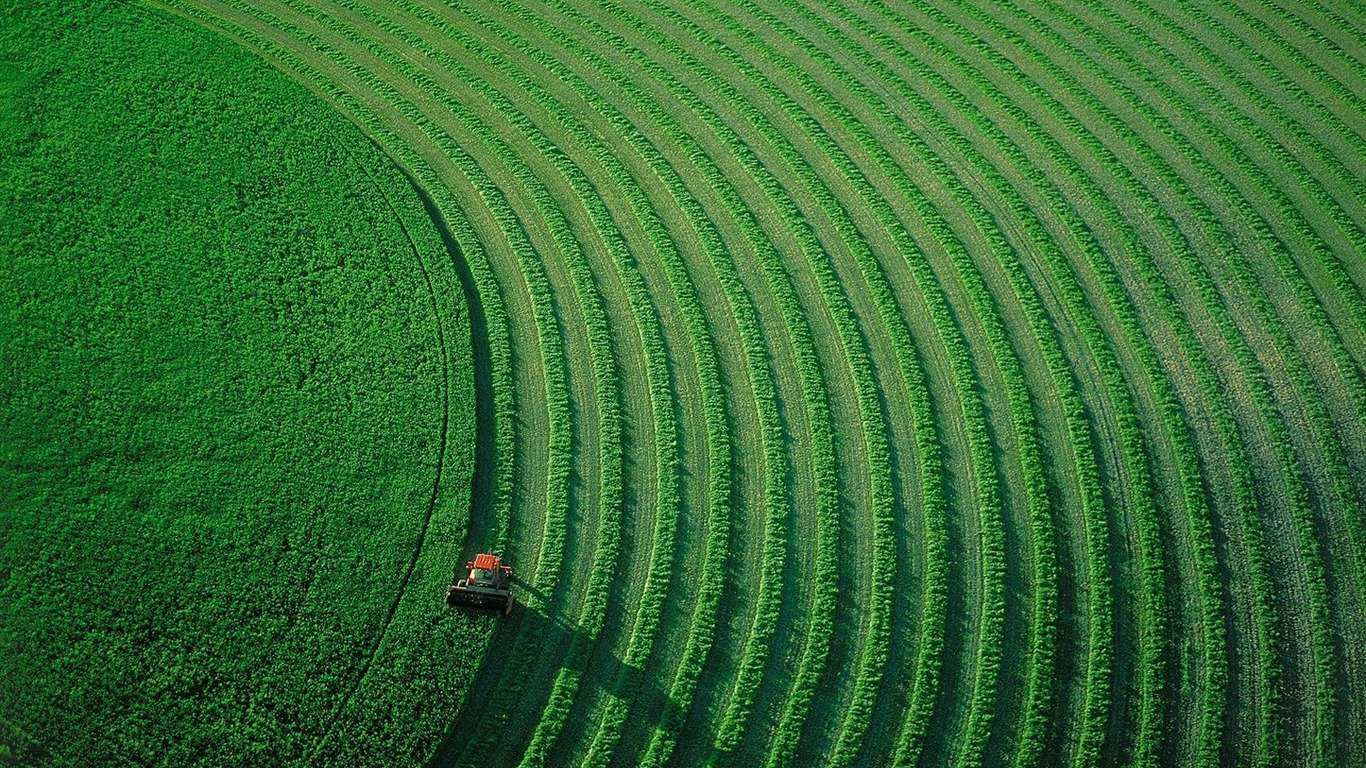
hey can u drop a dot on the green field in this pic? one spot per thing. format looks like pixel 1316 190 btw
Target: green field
pixel 850 383
pixel 236 413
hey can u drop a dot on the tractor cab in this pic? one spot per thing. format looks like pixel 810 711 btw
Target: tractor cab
pixel 487 584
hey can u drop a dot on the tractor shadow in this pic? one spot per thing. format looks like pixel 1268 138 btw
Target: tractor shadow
pixel 526 651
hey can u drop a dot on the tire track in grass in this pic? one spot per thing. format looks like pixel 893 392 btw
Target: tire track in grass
pixel 346 699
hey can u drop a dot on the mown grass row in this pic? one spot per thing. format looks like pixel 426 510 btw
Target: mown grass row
pixel 1190 471
pixel 1177 243
pixel 717 250
pixel 776 505
pixel 1213 224
pixel 1291 120
pixel 1041 493
pixel 873 655
pixel 987 497
pixel 816 409
pixel 1119 168
pixel 1277 245
pixel 741 690
pixel 1315 71
pixel 1312 242
pixel 666 501
pixel 1295 484
pixel 794 310
pixel 933 498
pixel 775 270
pixel 1152 660
pixel 531 273
pixel 1149 732
pixel 895 325
pixel 1276 147
pixel 1307 238
pixel 1059 368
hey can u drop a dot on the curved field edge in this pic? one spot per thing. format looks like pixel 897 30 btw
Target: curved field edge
pixel 302 559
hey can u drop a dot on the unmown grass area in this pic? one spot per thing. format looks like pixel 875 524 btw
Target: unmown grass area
pixel 236 413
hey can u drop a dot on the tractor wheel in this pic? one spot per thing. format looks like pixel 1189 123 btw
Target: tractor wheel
pixel 508 610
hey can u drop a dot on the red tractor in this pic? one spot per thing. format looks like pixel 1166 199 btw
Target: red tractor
pixel 488 585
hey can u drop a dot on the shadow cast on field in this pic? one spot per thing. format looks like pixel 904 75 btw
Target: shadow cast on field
pixel 520 641
pixel 481 491
pixel 532 632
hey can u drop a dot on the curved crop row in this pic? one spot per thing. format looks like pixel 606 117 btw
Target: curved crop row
pixel 809 365
pixel 1057 369
pixel 1313 242
pixel 892 319
pixel 1297 494
pixel 988 657
pixel 773 267
pixel 1152 576
pixel 718 441
pixel 1157 283
pixel 773 536
pixel 1213 226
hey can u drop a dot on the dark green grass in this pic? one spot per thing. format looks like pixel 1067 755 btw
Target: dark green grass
pixel 236 413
